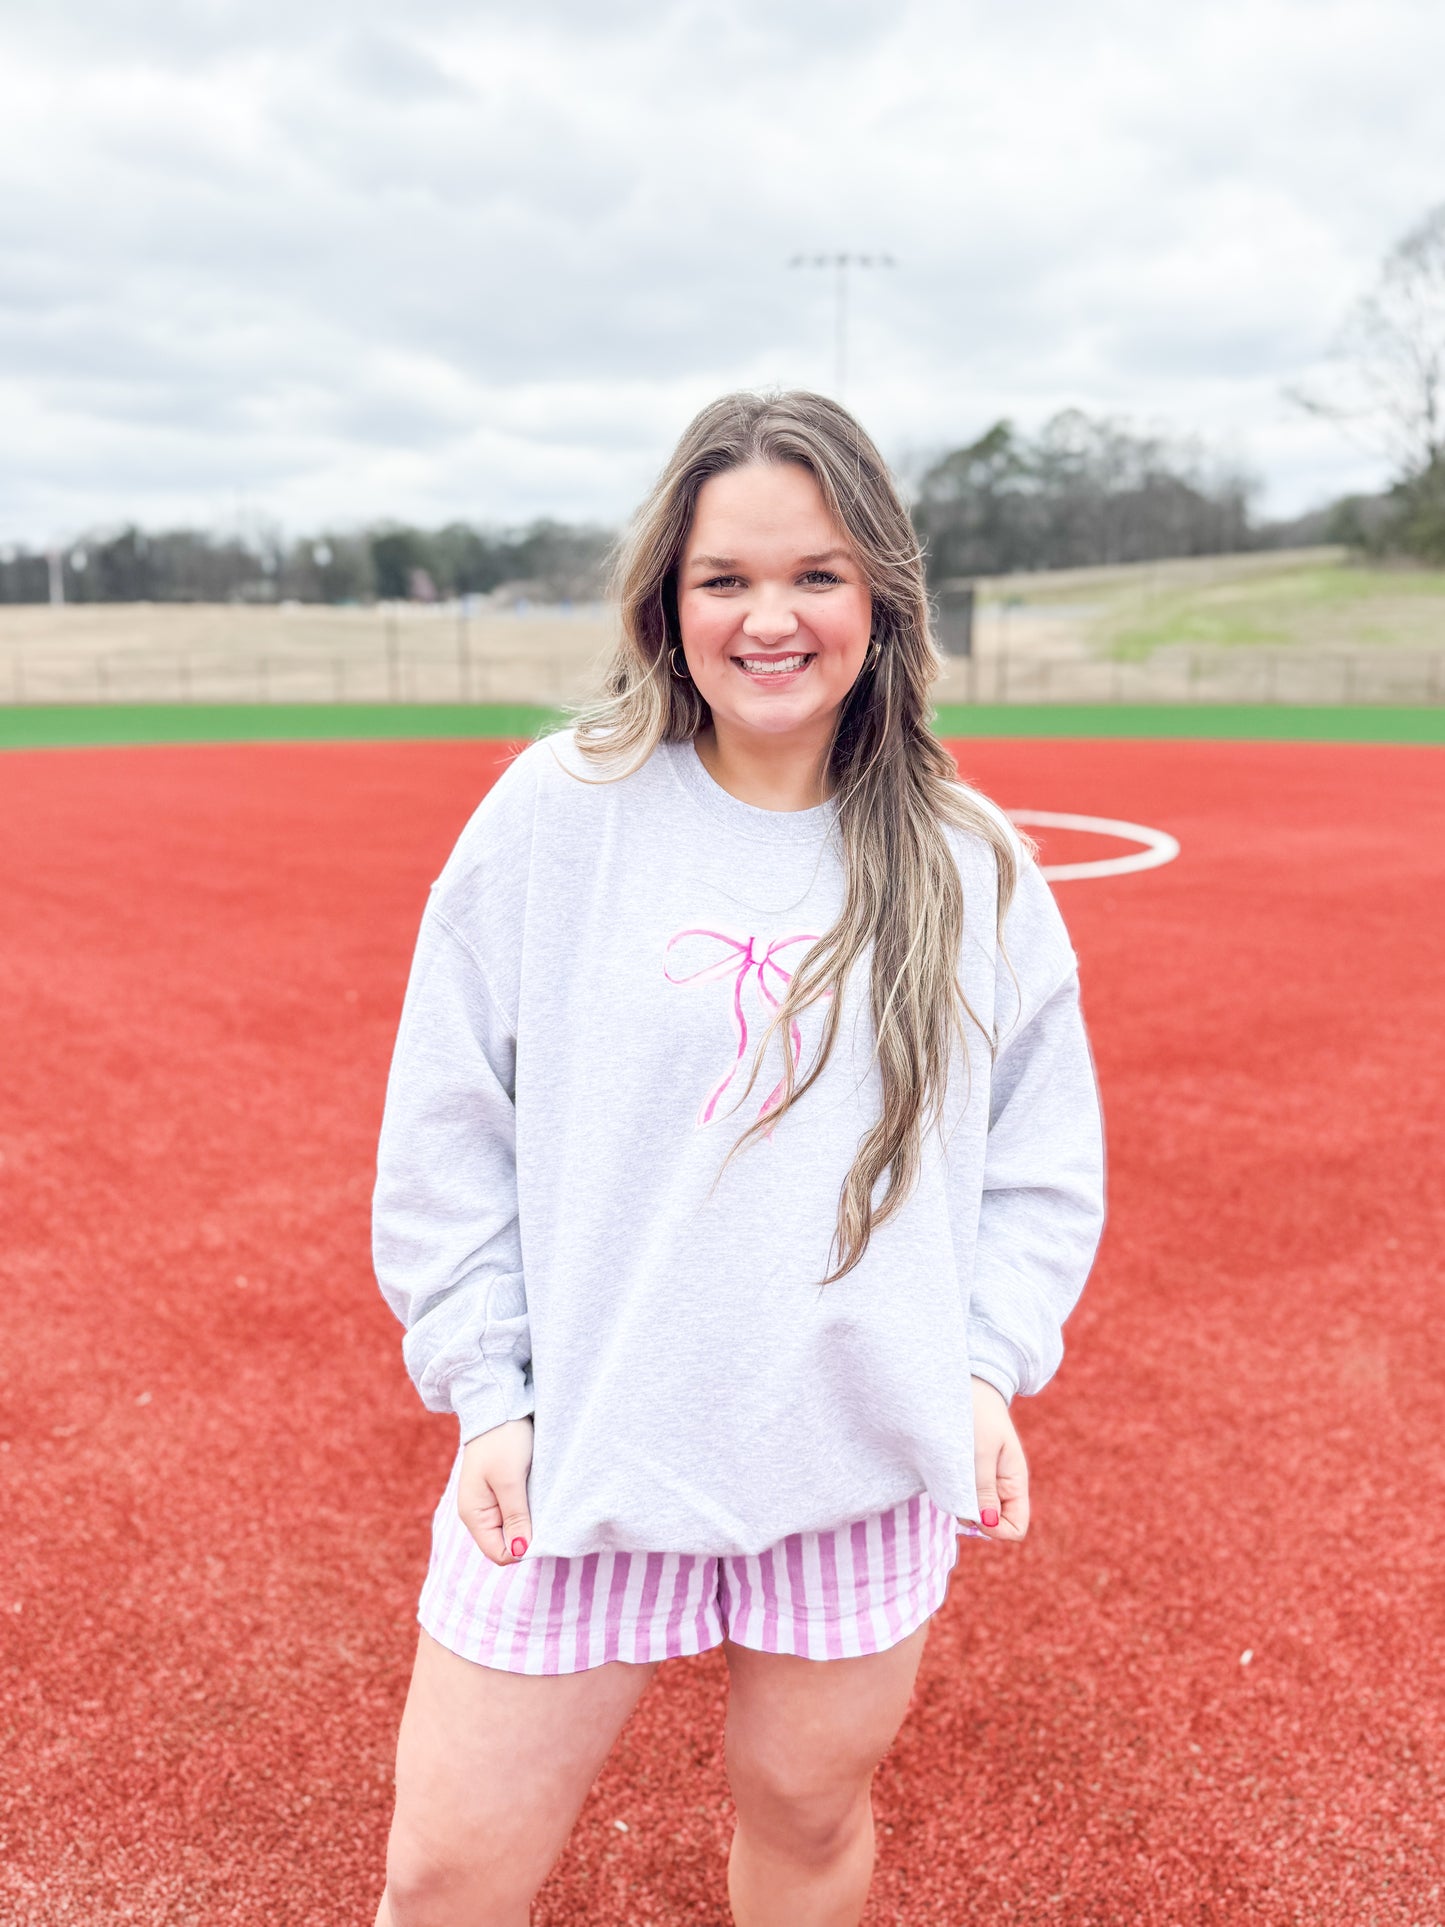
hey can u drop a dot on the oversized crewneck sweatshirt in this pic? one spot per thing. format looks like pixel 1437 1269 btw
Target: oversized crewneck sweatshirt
pixel 595 967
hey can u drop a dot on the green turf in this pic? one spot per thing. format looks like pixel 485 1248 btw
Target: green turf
pixel 60 725
pixel 43 726
pixel 1238 722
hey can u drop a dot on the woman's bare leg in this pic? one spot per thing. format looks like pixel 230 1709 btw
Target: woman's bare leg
pixel 803 1739
pixel 491 1771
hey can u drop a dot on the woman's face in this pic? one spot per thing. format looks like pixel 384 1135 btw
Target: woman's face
pixel 774 609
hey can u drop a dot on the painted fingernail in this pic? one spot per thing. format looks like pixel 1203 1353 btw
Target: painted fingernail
pixel 519 1546
pixel 988 1515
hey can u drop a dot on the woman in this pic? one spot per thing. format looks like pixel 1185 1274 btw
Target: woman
pixel 741 1162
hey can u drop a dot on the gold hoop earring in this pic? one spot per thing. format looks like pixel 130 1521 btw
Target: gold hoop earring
pixel 678 669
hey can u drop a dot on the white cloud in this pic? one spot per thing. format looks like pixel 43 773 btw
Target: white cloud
pixel 339 262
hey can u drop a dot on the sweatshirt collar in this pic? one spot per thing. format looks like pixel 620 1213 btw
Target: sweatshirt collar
pixel 746 819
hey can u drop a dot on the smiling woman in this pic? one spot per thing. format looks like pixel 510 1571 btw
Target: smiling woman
pixel 731 1185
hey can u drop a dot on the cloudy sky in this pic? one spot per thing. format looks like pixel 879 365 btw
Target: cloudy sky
pixel 318 262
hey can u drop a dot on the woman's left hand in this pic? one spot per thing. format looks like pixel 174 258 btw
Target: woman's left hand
pixel 1000 1469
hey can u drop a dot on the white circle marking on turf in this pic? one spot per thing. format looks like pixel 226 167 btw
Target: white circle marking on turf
pixel 1157 845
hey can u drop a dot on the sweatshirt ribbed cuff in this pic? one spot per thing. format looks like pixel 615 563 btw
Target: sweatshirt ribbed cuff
pixel 995 1359
pixel 481 1404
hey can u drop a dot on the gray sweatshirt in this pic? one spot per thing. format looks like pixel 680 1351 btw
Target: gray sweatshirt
pixel 595 966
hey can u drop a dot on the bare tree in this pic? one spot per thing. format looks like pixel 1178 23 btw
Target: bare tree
pixel 1388 381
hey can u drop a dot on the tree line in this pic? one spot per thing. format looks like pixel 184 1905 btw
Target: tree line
pixel 1083 490
pixel 547 560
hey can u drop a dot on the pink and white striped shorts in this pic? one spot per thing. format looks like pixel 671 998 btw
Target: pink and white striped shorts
pixel 823 1595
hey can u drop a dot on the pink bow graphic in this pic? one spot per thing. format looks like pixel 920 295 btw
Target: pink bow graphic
pixel 742 960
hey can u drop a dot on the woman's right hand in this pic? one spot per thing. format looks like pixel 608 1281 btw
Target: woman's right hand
pixel 492 1490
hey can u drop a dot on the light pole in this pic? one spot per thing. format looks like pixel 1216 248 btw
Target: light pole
pixel 840 263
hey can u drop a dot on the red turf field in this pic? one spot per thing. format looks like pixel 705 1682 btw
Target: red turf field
pixel 219 1481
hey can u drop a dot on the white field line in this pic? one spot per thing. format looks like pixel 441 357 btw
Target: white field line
pixel 1157 845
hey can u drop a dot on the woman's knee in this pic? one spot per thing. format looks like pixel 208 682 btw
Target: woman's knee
pixel 422 1888
pixel 810 1811
pixel 429 1887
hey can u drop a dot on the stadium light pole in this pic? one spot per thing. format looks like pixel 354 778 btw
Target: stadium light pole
pixel 840 264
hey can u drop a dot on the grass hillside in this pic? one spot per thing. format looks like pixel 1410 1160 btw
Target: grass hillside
pixel 1330 604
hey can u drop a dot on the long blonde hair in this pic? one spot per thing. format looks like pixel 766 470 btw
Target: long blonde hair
pixel 894 783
